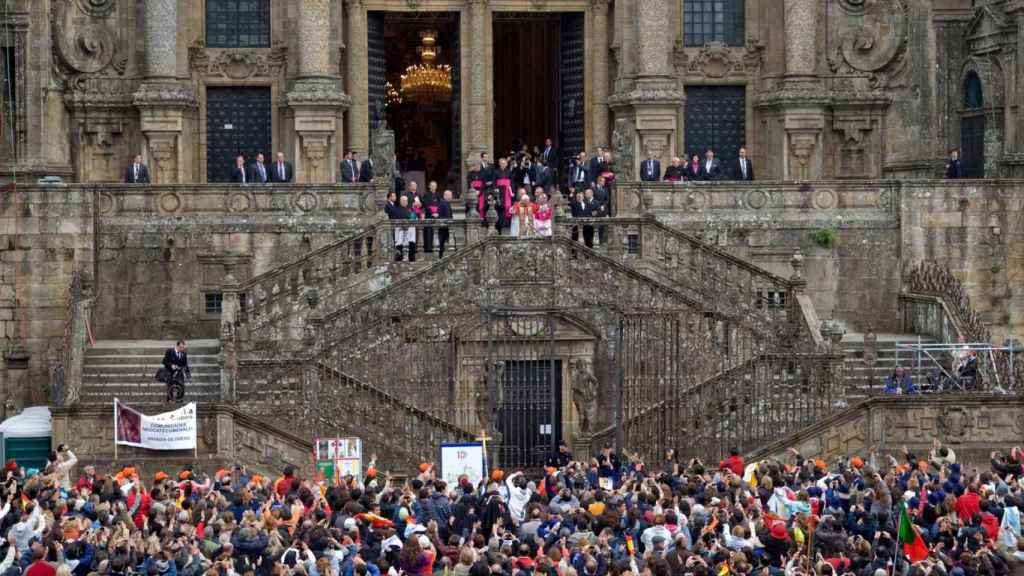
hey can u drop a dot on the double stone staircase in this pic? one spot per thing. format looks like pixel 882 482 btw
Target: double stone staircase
pixel 126 369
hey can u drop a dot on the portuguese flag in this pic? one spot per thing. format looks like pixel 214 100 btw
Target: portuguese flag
pixel 913 544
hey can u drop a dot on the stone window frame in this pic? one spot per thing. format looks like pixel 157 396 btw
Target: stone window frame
pixel 733 22
pixel 230 12
pixel 212 297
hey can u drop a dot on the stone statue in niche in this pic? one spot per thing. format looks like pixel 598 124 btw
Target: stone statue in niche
pixel 584 395
pixel 622 144
pixel 383 151
pixel 494 397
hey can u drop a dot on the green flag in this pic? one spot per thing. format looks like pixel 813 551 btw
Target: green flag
pixel 913 544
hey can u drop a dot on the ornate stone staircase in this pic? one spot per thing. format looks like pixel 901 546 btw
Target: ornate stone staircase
pixel 126 369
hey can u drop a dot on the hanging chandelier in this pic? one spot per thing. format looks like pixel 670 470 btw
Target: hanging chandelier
pixel 427 82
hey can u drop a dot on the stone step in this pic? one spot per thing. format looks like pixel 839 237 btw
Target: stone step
pixel 135 370
pixel 144 359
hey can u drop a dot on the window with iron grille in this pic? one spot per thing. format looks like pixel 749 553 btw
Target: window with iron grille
pixel 238 23
pixel 706 21
pixel 213 303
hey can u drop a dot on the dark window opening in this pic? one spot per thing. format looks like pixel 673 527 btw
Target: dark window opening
pixel 238 23
pixel 973 95
pixel 8 108
pixel 706 21
pixel 213 302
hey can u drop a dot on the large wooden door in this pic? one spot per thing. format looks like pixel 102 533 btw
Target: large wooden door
pixel 716 120
pixel 238 121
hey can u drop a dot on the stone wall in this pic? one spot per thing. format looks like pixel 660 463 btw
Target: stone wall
pixel 976 229
pixel 879 230
pixel 226 436
pixel 46 236
pixel 161 249
pixel 972 425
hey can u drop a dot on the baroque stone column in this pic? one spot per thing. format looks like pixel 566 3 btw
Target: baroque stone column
pixel 600 85
pixel 478 29
pixel 166 104
pixel 316 98
pixel 798 101
pixel 801 28
pixel 646 114
pixel 357 62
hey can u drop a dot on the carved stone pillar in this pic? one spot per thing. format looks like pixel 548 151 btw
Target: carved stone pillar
pixel 166 104
pixel 479 27
pixel 358 77
pixel 600 83
pixel 799 103
pixel 316 98
pixel 801 45
pixel 646 115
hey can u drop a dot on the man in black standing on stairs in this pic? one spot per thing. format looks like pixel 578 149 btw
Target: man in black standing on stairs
pixel 175 362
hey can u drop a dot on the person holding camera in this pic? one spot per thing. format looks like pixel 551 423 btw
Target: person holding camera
pixel 63 460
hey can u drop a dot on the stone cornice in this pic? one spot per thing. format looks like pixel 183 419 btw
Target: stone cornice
pixel 164 94
pixel 641 95
pixel 314 92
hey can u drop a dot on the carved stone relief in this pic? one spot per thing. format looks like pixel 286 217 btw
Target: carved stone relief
pixel 237 64
pixel 872 41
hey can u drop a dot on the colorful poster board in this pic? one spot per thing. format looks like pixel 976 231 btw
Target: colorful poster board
pixel 343 455
pixel 462 459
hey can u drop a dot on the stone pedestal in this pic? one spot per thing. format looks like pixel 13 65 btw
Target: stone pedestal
pixel 166 112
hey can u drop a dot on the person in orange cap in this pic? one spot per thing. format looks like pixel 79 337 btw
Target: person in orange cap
pixel 160 476
pixel 497 475
pixel 856 462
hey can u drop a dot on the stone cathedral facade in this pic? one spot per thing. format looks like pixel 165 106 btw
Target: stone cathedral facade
pixel 816 89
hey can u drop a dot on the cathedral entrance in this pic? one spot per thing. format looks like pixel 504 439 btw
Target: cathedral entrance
pixel 414 77
pixel 531 418
pixel 715 120
pixel 238 121
pixel 538 81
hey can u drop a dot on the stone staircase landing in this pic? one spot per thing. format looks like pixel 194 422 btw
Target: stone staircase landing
pixel 126 369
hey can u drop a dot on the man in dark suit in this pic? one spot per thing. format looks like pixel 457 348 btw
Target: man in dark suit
pixel 258 172
pixel 176 359
pixel 954 167
pixel 239 174
pixel 578 178
pixel 596 165
pixel 350 168
pixel 742 168
pixel 650 169
pixel 366 170
pixel 549 155
pixel 136 173
pixel 281 170
pixel 710 168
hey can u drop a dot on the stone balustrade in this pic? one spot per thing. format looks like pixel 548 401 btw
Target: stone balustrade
pixel 224 204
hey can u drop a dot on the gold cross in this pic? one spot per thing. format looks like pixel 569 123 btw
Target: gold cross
pixel 483 438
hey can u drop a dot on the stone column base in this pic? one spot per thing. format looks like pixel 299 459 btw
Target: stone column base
pixel 316 103
pixel 166 109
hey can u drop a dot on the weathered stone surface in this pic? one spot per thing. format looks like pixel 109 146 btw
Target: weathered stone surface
pixel 161 18
pixel 973 426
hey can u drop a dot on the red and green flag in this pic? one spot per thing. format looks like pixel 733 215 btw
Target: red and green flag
pixel 910 538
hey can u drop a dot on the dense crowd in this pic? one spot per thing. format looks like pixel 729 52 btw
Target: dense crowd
pixel 598 517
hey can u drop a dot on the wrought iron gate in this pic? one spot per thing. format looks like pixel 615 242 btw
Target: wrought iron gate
pixel 570 114
pixel 716 120
pixel 238 121
pixel 520 348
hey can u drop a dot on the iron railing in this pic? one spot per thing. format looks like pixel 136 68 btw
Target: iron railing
pixel 936 304
pixel 740 408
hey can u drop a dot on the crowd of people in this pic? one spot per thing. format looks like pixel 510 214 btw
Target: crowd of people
pixel 912 515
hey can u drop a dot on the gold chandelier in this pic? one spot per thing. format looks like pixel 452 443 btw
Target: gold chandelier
pixel 427 82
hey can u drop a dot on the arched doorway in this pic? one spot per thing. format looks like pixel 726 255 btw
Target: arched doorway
pixel 972 127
